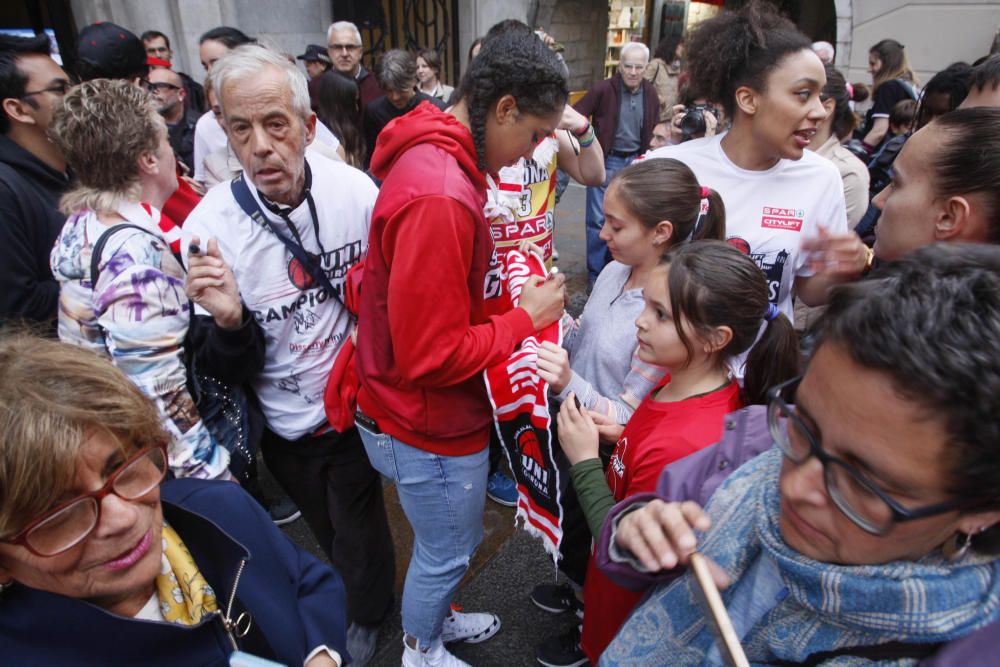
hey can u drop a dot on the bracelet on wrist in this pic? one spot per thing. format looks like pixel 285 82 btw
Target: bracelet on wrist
pixel 582 131
pixel 588 138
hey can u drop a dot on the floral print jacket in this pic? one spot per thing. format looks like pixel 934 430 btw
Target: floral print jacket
pixel 136 315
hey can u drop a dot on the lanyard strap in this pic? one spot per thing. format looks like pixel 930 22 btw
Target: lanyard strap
pixel 241 191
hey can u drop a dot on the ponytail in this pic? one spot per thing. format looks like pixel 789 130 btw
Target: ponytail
pixel 772 360
pixel 666 189
pixel 711 224
pixel 712 284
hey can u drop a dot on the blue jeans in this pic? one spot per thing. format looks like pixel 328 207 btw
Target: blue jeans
pixel 443 498
pixel 597 250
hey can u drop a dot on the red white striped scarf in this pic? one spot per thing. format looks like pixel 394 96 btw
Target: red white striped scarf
pixel 147 216
pixel 521 414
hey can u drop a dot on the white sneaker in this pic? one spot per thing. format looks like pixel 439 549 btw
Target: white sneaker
pixel 435 655
pixel 471 628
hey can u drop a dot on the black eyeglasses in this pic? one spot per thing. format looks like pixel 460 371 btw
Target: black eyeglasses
pixel 59 88
pixel 858 497
pixel 157 87
pixel 69 523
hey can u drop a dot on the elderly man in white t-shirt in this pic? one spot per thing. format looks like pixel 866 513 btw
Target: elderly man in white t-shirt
pixel 290 228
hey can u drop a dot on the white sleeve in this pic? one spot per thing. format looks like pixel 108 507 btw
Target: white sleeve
pixel 325 136
pixel 201 147
pixel 329 651
pixel 831 215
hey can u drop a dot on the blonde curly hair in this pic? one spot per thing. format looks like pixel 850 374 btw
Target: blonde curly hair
pixel 103 127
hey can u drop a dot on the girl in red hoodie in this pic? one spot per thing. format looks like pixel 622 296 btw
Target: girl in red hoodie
pixel 705 304
pixel 425 331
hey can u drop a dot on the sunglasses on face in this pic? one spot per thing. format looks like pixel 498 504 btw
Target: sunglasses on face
pixel 160 87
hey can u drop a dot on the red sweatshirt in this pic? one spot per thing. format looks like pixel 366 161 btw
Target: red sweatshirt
pixel 657 434
pixel 424 333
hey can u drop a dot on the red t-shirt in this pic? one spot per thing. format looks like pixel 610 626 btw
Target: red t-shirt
pixel 657 434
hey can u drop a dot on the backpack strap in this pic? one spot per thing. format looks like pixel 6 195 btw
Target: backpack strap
pixel 102 240
pixel 241 193
pixel 98 249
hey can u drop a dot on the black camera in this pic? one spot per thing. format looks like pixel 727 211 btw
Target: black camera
pixel 692 123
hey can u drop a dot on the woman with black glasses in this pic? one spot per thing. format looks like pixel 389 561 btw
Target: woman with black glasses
pixel 870 532
pixel 102 565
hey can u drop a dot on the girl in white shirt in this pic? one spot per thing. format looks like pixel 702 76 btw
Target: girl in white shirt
pixel 784 206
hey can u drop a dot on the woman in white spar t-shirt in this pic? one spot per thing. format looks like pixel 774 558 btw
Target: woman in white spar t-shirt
pixel 784 205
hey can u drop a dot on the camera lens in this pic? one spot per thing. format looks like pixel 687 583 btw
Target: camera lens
pixel 693 123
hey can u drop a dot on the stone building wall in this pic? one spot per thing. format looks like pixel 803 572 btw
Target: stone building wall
pixel 581 26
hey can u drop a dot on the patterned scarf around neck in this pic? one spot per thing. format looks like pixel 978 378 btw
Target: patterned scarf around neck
pixel 826 607
pixel 185 597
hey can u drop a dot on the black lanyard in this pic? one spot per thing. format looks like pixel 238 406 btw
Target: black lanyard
pixel 241 191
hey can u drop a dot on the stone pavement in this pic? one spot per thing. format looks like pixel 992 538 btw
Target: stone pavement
pixel 509 563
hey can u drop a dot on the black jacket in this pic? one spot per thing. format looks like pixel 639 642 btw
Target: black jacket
pixel 601 105
pixel 30 221
pixel 195 100
pixel 381 111
pixel 181 138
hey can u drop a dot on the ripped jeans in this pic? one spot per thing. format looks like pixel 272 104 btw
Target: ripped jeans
pixel 443 498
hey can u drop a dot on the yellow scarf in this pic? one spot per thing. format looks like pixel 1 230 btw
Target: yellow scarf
pixel 185 596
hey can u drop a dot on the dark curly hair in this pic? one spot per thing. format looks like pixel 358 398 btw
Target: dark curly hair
pixel 737 49
pixel 515 64
pixel 930 323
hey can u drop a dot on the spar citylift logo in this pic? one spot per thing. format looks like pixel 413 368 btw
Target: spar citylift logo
pixel 789 219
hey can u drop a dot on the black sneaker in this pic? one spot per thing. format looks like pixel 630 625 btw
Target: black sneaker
pixel 556 598
pixel 282 510
pixel 564 651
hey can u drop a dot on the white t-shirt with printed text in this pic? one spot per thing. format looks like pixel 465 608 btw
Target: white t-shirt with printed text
pixel 304 326
pixel 769 213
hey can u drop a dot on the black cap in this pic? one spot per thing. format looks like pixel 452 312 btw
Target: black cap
pixel 109 51
pixel 315 53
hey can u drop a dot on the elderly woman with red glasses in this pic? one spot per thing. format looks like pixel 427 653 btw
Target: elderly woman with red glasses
pixel 102 565
pixel 870 533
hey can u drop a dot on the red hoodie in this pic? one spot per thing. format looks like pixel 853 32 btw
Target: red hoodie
pixel 424 334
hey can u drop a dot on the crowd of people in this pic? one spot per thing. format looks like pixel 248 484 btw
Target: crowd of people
pixel 314 272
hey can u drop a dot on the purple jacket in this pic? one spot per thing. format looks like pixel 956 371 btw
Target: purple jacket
pixel 697 476
pixel 601 105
